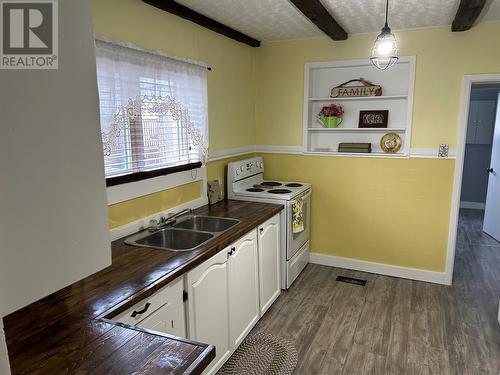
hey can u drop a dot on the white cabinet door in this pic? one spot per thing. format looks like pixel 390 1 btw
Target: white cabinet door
pixel 269 262
pixel 243 288
pixel 208 310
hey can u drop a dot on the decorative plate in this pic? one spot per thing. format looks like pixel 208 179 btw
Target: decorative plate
pixel 391 143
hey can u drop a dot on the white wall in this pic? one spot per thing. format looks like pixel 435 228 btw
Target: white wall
pixel 53 221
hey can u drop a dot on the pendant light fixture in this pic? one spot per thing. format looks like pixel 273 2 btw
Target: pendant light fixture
pixel 385 50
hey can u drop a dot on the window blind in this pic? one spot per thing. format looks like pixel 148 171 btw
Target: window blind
pixel 148 140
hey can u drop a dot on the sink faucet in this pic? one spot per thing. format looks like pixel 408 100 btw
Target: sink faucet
pixel 174 216
pixel 155 225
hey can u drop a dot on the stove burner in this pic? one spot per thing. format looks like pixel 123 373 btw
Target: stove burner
pixel 293 184
pixel 279 191
pixel 271 183
pixel 255 190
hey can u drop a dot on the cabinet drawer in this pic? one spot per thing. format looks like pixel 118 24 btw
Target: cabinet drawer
pixel 167 319
pixel 171 293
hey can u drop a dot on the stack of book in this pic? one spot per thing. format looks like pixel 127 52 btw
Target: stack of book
pixel 364 148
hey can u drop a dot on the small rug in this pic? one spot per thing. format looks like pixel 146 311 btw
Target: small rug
pixel 262 354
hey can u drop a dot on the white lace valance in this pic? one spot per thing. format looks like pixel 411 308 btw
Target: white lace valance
pixel 153 110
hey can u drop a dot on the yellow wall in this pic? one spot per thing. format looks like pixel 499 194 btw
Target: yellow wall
pixel 231 81
pixel 443 58
pixel 138 208
pixel 381 210
pixel 391 211
pixel 231 86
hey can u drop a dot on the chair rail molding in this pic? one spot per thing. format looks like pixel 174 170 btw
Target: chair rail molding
pixel 421 153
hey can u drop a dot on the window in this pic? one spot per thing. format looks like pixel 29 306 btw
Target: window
pixel 153 112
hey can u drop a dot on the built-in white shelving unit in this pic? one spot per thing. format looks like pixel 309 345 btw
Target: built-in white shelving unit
pixel 397 97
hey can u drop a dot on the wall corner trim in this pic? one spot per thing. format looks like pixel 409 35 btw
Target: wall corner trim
pixel 379 268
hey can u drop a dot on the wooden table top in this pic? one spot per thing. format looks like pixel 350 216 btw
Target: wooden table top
pixel 68 332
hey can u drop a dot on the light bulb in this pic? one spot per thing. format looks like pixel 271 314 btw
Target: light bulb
pixel 385 50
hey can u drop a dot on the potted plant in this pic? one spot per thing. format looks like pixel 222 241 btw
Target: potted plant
pixel 331 115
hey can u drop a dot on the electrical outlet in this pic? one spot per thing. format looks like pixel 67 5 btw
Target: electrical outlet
pixel 444 149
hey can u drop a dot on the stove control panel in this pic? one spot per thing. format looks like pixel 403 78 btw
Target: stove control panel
pixel 245 168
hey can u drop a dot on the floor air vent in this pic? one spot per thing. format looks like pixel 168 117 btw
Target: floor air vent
pixel 350 280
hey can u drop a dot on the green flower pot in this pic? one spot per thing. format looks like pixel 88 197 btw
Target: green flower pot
pixel 332 121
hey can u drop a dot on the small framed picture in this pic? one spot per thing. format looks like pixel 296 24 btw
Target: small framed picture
pixel 373 119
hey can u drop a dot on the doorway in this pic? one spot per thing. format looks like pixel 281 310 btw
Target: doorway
pixel 481 121
pixel 475 217
pixel 478 172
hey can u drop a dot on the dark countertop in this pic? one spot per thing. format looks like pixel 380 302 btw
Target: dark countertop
pixel 68 332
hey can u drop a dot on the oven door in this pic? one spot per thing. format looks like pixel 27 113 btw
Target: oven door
pixel 296 240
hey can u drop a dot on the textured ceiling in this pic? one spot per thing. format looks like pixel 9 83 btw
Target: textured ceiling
pixel 492 11
pixel 265 20
pixel 362 16
pixel 273 20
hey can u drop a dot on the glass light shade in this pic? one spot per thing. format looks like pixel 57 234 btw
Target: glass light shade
pixel 385 50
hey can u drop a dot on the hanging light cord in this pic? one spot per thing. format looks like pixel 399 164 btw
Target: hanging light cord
pixel 386 12
pixel 386 26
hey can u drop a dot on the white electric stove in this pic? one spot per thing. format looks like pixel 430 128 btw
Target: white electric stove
pixel 245 181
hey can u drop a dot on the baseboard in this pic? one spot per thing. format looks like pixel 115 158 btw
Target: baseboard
pixel 472 205
pixel 379 268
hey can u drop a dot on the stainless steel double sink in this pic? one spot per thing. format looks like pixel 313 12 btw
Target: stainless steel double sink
pixel 186 234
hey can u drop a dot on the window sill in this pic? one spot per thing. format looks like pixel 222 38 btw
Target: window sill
pixel 131 190
pixel 139 176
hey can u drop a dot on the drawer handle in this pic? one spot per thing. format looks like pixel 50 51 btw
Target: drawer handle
pixel 135 312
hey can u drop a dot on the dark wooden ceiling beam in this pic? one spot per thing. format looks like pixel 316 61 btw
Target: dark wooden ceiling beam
pixel 184 12
pixel 467 13
pixel 317 13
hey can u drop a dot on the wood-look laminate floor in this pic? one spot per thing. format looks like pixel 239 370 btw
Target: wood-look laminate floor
pixel 397 326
